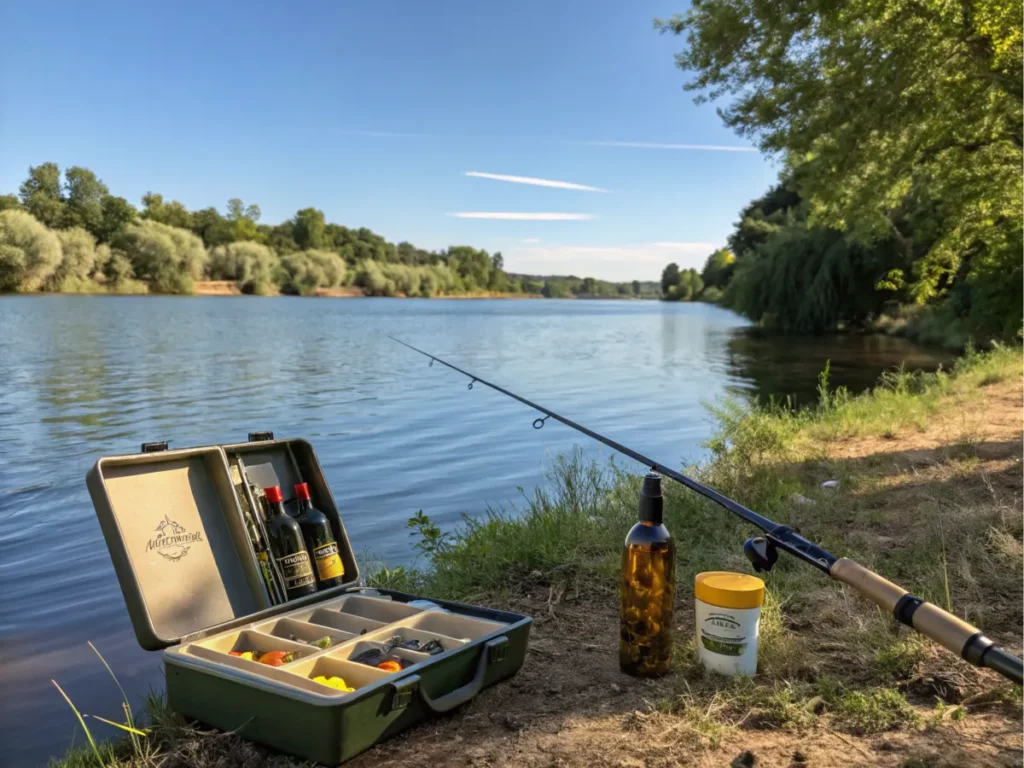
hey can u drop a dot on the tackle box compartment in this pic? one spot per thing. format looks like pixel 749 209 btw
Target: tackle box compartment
pixel 174 523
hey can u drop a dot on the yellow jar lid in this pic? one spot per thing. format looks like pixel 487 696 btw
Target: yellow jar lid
pixel 729 590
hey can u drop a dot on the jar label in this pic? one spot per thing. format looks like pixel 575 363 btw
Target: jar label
pixel 720 633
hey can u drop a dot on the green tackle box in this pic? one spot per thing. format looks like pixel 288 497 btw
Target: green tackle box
pixel 176 531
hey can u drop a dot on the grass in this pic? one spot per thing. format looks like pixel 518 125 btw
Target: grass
pixel 939 523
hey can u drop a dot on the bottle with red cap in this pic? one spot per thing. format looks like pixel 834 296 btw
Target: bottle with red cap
pixel 289 547
pixel 316 528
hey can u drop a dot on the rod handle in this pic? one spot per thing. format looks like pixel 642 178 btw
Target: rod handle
pixel 956 635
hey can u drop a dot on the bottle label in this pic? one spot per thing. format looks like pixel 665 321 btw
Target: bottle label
pixel 297 570
pixel 328 562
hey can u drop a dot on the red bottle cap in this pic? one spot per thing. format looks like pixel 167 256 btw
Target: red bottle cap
pixel 273 494
pixel 302 491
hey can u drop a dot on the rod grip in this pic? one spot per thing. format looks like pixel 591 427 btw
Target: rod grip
pixel 928 619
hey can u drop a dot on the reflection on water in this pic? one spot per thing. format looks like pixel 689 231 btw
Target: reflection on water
pixel 81 377
pixel 774 367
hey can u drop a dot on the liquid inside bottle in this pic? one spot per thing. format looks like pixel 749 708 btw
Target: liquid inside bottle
pixel 647 589
pixel 316 528
pixel 289 548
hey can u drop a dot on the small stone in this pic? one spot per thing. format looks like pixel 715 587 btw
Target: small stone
pixel 830 484
pixel 799 498
pixel 616 688
pixel 745 759
pixel 799 757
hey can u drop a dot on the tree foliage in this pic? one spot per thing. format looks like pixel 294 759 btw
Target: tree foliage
pixel 718 268
pixel 29 252
pixel 78 260
pixel 899 121
pixel 305 271
pixel 166 247
pixel 251 265
pixel 170 257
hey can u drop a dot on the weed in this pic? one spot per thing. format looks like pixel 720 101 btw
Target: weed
pixel 873 711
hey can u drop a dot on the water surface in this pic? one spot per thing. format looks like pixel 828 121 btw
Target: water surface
pixel 82 377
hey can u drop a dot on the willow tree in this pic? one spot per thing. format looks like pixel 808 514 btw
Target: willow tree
pixel 169 257
pixel 29 252
pixel 889 106
pixel 251 265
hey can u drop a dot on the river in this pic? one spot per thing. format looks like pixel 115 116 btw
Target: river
pixel 81 377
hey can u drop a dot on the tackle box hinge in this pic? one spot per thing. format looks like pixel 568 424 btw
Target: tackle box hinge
pixel 259 437
pixel 497 650
pixel 156 447
pixel 402 691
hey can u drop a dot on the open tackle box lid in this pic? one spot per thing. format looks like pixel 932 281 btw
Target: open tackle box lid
pixel 175 529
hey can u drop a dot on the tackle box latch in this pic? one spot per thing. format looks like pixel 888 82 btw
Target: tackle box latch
pixel 497 650
pixel 260 437
pixel 402 691
pixel 156 447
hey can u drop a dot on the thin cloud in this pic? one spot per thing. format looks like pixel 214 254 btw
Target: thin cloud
pixel 535 181
pixel 650 145
pixel 531 240
pixel 514 216
pixel 655 253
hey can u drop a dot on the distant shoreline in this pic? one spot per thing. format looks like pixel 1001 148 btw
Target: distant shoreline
pixel 230 288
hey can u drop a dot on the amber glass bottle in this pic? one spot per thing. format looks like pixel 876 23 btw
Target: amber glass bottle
pixel 647 589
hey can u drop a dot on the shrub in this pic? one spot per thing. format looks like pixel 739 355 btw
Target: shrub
pixel 249 264
pixel 29 252
pixel 169 257
pixel 78 261
pixel 305 271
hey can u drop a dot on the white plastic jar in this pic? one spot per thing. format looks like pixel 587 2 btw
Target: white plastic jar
pixel 728 607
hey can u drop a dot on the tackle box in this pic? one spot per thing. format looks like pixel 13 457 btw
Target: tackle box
pixel 176 530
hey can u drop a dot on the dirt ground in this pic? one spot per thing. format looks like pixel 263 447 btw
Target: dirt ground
pixel 571 706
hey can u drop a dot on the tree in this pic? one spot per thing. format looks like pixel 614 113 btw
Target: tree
pixel 10 203
pixel 116 214
pixel 251 265
pixel 170 257
pixel 636 287
pixel 718 268
pixel 308 229
pixel 173 214
pixel 78 260
pixel 311 269
pixel 690 285
pixel 884 108
pixel 83 200
pixel 244 220
pixel 29 252
pixel 213 228
pixel 41 194
pixel 669 277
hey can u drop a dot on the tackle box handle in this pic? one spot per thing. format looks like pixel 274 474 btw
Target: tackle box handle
pixel 493 652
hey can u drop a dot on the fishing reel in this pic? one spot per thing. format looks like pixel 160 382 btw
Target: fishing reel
pixel 761 553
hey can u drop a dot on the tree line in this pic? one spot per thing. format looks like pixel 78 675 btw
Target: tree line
pixel 900 130
pixel 65 231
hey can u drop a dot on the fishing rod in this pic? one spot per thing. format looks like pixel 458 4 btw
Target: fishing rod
pixel 954 634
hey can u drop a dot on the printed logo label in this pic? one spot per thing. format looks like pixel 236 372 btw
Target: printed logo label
pixel 297 570
pixel 328 562
pixel 172 541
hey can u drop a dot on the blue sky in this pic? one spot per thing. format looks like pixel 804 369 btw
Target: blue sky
pixel 375 112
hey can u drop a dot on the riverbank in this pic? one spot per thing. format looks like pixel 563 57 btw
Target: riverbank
pixel 929 494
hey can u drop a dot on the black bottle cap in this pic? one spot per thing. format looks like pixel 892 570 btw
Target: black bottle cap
pixel 651 501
